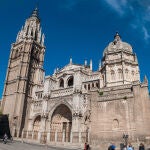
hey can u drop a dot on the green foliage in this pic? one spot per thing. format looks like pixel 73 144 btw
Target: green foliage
pixel 125 97
pixel 100 93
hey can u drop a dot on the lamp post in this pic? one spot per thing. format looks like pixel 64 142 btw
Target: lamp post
pixel 87 131
pixel 125 137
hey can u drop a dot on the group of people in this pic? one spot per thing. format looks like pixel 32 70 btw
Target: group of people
pixel 127 147
pixel 113 147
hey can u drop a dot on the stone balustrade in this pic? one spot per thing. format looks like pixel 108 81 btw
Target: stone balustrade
pixel 62 92
pixel 116 96
pixel 119 60
pixel 125 86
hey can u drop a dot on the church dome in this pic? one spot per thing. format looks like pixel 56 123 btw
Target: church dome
pixel 117 45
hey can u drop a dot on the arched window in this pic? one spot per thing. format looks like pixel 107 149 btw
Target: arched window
pixel 97 85
pixel 17 53
pixel 27 30
pixel 32 32
pixel 70 81
pixel 88 86
pixel 92 84
pixel 127 73
pixel 119 73
pixel 61 83
pixel 35 38
pixel 115 124
pixel 133 74
pixel 112 75
pixel 85 86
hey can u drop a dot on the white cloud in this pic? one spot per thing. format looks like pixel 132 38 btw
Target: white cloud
pixel 146 34
pixel 118 6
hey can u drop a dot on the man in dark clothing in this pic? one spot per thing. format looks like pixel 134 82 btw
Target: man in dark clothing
pixel 141 147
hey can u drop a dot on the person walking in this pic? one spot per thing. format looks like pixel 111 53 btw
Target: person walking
pixel 85 145
pixel 112 147
pixel 130 147
pixel 141 147
pixel 5 138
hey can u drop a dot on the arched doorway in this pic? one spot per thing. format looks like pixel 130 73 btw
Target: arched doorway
pixel 36 124
pixel 61 121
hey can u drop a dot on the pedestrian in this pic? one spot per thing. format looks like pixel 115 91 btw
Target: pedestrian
pixel 124 147
pixel 141 147
pixel 112 147
pixel 85 145
pixel 130 147
pixel 5 138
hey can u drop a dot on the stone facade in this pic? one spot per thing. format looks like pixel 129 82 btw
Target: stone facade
pixel 96 106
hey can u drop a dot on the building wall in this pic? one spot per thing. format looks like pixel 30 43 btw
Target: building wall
pixel 104 104
pixel 119 110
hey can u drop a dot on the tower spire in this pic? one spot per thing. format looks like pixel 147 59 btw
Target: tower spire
pixel 35 13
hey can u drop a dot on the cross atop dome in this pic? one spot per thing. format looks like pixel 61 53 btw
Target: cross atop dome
pixel 117 38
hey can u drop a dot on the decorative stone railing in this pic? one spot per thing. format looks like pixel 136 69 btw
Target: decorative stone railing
pixel 126 86
pixel 113 92
pixel 62 92
pixel 116 96
pixel 119 60
pixel 91 78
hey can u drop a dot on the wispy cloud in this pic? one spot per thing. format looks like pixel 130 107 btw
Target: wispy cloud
pixel 146 34
pixel 139 10
pixel 118 6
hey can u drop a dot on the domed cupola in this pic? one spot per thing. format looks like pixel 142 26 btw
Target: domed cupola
pixel 119 63
pixel 117 45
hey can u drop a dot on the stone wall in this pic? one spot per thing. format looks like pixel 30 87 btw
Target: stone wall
pixel 117 111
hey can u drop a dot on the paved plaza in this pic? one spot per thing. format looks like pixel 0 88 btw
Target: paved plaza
pixel 24 146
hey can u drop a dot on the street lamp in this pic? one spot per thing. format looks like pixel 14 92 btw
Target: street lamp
pixel 125 137
pixel 87 131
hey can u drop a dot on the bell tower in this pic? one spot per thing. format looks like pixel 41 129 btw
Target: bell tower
pixel 26 59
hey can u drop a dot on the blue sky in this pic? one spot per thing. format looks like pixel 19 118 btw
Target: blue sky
pixel 80 29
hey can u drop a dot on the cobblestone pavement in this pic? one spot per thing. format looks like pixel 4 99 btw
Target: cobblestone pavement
pixel 24 146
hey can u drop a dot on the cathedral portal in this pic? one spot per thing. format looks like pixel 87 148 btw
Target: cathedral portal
pixel 61 120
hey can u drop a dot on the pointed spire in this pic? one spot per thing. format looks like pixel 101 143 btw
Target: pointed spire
pixel 54 71
pixel 35 13
pixel 100 64
pixel 145 79
pixel 91 64
pixel 70 60
pixel 42 40
pixel 85 62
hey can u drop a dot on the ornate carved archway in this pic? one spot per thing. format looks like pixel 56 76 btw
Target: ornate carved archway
pixel 61 119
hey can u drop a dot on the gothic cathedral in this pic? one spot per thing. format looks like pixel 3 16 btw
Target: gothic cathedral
pixel 75 104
